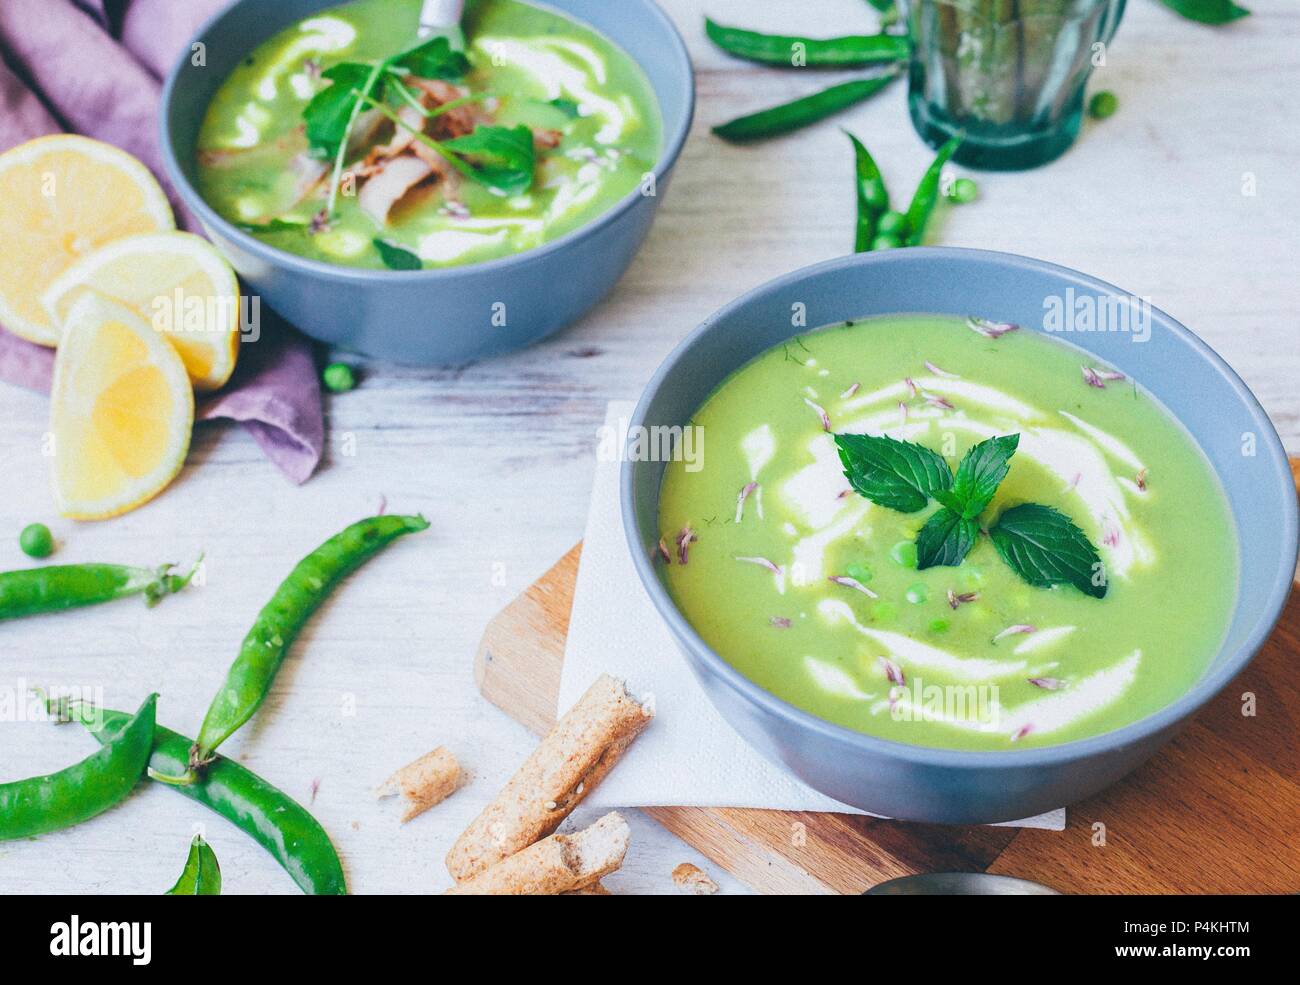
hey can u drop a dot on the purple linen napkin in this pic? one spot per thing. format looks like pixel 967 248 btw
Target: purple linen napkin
pixel 93 67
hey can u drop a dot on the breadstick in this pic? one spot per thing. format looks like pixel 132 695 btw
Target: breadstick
pixel 595 889
pixel 555 865
pixel 576 755
pixel 429 780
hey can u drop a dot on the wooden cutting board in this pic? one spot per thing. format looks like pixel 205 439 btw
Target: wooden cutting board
pixel 1216 811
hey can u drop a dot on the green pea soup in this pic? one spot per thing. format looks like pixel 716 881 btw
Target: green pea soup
pixel 813 591
pixel 593 108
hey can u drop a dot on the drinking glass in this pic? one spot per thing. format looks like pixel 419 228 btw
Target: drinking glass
pixel 1009 74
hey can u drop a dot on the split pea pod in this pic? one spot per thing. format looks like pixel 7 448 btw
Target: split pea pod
pixel 873 197
pixel 53 588
pixel 927 193
pixel 780 49
pixel 282 618
pixel 273 819
pixel 802 112
pixel 70 796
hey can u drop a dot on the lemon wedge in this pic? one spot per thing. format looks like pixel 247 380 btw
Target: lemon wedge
pixel 65 196
pixel 121 411
pixel 178 283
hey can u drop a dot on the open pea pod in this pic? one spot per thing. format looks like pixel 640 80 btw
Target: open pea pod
pixel 927 193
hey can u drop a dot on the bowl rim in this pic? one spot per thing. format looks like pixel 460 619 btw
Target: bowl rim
pixel 211 220
pixel 1078 749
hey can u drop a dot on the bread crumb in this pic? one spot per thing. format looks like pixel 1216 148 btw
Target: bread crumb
pixel 693 881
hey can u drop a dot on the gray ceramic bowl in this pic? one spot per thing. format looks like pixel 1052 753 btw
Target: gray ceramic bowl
pixel 940 785
pixel 446 316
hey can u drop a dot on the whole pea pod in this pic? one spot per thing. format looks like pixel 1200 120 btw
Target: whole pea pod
pixel 927 193
pixel 280 621
pixel 70 796
pixel 780 49
pixel 802 112
pixel 31 591
pixel 273 819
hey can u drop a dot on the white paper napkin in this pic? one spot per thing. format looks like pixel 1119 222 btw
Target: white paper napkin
pixel 689 756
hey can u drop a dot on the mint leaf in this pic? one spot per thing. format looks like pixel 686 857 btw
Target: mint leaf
pixel 330 111
pixel 981 472
pixel 500 157
pixel 566 106
pixel 945 540
pixel 1044 547
pixel 435 59
pixel 897 475
pixel 396 257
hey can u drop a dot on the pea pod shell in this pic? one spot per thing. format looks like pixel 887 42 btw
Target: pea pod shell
pixel 271 818
pixel 927 193
pixel 90 787
pixel 202 873
pixel 780 49
pixel 801 112
pixel 282 618
pixel 873 197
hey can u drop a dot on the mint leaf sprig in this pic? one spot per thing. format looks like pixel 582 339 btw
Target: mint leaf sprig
pixel 1041 545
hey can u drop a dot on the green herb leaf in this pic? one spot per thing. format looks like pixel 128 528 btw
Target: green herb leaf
pixel 500 157
pixel 981 472
pixel 945 540
pixel 927 193
pixel 780 49
pixel 272 225
pixel 1208 11
pixel 330 111
pixel 201 875
pixel 1045 548
pixel 873 197
pixel 396 257
pixel 894 474
pixel 801 112
pixel 435 59
pixel 568 107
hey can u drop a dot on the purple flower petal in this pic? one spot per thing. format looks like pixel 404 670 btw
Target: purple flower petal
pixel 854 584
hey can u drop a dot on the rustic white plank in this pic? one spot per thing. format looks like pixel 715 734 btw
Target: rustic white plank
pixel 500 455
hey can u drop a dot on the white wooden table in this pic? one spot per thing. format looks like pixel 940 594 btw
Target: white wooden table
pixel 500 455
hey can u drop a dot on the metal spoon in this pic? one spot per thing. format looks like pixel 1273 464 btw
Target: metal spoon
pixel 959 884
pixel 443 17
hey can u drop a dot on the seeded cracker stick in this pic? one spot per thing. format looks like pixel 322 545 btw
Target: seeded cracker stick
pixel 429 780
pixel 575 756
pixel 556 864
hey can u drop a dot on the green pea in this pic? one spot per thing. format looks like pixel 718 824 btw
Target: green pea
pixel 891 223
pixel 963 191
pixel 338 378
pixel 884 612
pixel 859 572
pixel 884 242
pixel 1103 104
pixel 939 626
pixel 904 553
pixel 36 540
pixel 917 593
